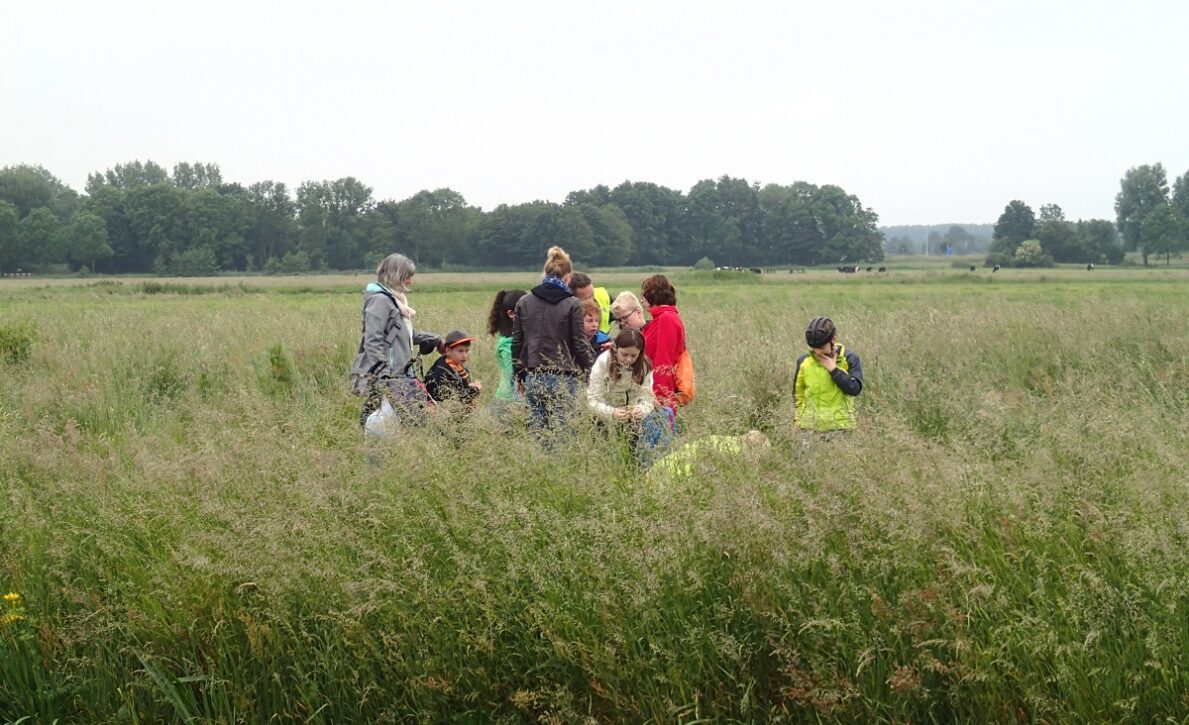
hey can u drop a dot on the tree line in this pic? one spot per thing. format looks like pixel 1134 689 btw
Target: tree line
pixel 138 217
pixel 1149 219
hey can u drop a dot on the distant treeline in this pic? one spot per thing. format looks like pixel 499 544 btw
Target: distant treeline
pixel 139 217
pixel 937 238
pixel 1150 217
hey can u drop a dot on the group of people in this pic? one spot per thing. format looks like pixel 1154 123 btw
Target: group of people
pixel 554 348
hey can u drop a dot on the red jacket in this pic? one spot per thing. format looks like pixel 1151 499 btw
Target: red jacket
pixel 664 341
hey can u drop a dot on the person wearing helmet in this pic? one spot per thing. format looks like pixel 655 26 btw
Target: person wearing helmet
pixel 826 381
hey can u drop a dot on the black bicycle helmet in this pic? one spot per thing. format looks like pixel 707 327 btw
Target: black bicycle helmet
pixel 820 331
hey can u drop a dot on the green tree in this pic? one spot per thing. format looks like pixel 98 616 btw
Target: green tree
pixel 87 239
pixel 1180 194
pixel 654 213
pixel 791 232
pixel 197 176
pixel 1143 190
pixel 11 241
pixel 519 235
pixel 850 232
pixel 1098 241
pixel 1014 225
pixel 128 176
pixel 1029 253
pixel 1057 236
pixel 272 223
pixel 1164 232
pixel 154 213
pixel 612 234
pixel 431 227
pixel 42 238
pixel 332 218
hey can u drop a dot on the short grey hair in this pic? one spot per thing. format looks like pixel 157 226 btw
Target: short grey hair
pixel 394 271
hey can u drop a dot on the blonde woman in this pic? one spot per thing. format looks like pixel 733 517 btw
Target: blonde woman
pixel 384 363
pixel 550 351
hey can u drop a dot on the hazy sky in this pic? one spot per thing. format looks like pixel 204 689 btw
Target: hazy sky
pixel 928 110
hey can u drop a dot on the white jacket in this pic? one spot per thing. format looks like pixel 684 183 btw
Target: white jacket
pixel 604 395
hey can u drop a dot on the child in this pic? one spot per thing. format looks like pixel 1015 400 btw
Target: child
pixel 449 379
pixel 620 392
pixel 499 324
pixel 599 340
pixel 826 381
pixel 584 289
pixel 680 464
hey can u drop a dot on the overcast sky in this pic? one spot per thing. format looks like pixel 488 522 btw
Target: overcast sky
pixel 929 110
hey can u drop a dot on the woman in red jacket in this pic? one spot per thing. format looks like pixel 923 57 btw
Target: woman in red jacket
pixel 664 337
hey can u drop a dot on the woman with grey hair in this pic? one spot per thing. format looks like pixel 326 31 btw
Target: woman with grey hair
pixel 384 364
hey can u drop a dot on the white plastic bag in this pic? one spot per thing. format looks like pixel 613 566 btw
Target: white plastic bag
pixel 382 422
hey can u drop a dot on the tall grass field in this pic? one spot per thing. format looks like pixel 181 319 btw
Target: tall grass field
pixel 192 529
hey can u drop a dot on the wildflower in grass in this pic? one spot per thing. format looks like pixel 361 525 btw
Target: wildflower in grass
pixel 10 618
pixel 12 598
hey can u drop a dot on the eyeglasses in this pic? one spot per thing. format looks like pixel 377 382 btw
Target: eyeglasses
pixel 625 318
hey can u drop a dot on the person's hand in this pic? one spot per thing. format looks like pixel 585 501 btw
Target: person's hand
pixel 477 385
pixel 520 389
pixel 606 345
pixel 622 414
pixel 825 358
pixel 637 413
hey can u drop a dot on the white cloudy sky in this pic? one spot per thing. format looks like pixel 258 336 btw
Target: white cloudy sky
pixel 928 110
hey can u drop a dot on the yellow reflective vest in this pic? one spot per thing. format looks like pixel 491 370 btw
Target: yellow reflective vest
pixel 820 402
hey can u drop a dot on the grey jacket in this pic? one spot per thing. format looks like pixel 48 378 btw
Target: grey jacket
pixel 386 342
pixel 547 334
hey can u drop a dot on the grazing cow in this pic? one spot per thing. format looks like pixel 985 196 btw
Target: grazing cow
pixel 994 269
pixel 972 268
pixel 756 270
pixel 883 269
pixel 1090 267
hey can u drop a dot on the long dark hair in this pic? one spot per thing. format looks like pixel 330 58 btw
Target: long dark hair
pixel 630 338
pixel 498 322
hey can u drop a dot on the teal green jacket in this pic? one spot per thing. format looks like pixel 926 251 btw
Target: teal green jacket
pixel 503 355
pixel 825 400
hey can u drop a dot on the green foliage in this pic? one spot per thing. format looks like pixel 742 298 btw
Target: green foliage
pixel 164 379
pixel 277 376
pixel 1031 254
pixel 16 340
pixel 1143 190
pixel 704 264
pixel 292 263
pixel 193 262
pixel 1015 224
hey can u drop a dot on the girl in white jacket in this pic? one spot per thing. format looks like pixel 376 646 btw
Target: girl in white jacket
pixel 620 388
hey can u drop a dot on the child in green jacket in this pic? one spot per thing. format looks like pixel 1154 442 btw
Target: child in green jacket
pixel 826 381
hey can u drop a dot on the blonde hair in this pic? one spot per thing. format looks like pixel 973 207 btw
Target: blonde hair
pixel 394 271
pixel 625 304
pixel 557 263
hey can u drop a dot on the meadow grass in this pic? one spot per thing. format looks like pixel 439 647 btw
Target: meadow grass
pixel 195 532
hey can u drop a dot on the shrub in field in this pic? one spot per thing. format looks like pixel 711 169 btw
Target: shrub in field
pixel 164 380
pixel 16 341
pixel 704 264
pixel 277 376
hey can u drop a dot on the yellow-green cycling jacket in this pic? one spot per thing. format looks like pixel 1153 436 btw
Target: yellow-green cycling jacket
pixel 825 400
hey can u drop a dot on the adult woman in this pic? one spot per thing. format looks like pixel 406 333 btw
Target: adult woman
pixel 664 337
pixel 550 351
pixel 384 363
